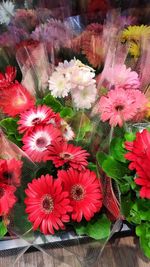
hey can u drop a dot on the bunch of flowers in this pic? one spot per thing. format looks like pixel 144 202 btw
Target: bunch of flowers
pixel 70 110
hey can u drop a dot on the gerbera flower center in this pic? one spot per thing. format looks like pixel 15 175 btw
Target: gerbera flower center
pixel 36 121
pixel 19 101
pixel 7 175
pixel 77 192
pixel 47 204
pixel 41 142
pixel 119 107
pixel 2 192
pixel 66 155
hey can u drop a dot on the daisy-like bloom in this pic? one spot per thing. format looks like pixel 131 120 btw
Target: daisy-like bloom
pixel 85 193
pixel 135 33
pixel 37 141
pixel 47 205
pixel 117 107
pixel 83 99
pixel 134 49
pixel 15 100
pixel 142 104
pixel 143 178
pixel 66 130
pixel 62 152
pixel 35 116
pixel 59 85
pixel 10 171
pixel 138 149
pixel 7 198
pixel 120 76
pixel 8 77
pixel 7 10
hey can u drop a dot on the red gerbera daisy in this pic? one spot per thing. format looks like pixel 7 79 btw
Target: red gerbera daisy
pixel 139 148
pixel 16 100
pixel 7 198
pixel 10 171
pixel 61 153
pixel 37 141
pixel 36 116
pixel 7 78
pixel 47 204
pixel 84 191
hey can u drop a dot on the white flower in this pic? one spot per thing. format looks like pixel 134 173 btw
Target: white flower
pixel 6 11
pixel 67 131
pixel 59 85
pixel 81 78
pixel 84 98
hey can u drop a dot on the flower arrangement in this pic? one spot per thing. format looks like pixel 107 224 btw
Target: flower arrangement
pixel 74 125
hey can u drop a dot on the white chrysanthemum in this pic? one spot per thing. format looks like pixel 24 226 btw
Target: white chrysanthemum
pixel 59 85
pixel 84 98
pixel 7 10
pixel 81 78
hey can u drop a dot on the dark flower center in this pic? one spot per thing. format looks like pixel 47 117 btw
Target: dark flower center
pixel 36 121
pixel 119 107
pixel 7 175
pixel 66 155
pixel 77 192
pixel 47 204
pixel 2 192
pixel 41 142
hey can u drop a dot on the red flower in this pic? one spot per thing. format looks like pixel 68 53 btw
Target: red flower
pixel 47 205
pixel 37 142
pixel 143 179
pixel 15 100
pixel 36 116
pixel 84 191
pixel 139 149
pixel 10 171
pixel 7 78
pixel 61 153
pixel 7 198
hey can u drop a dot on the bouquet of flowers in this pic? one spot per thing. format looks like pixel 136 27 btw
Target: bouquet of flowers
pixel 74 135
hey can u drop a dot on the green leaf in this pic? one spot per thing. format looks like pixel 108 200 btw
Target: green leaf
pixel 10 125
pixel 67 112
pixel 114 168
pixel 92 167
pixel 98 229
pixel 117 150
pixel 130 136
pixel 101 157
pixel 50 101
pixel 143 231
pixel 3 229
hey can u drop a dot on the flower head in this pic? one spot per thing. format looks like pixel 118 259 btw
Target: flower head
pixel 37 141
pixel 117 107
pixel 8 77
pixel 10 171
pixel 7 10
pixel 83 99
pixel 85 193
pixel 7 198
pixel 66 130
pixel 62 153
pixel 135 33
pixel 35 116
pixel 59 85
pixel 47 204
pixel 121 77
pixel 143 177
pixel 15 100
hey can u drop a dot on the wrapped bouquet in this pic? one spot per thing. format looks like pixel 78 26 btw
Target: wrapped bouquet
pixel 74 128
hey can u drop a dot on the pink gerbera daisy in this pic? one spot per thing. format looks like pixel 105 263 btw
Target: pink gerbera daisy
pixel 10 171
pixel 37 141
pixel 7 198
pixel 61 153
pixel 117 107
pixel 85 193
pixel 15 100
pixel 47 204
pixel 36 116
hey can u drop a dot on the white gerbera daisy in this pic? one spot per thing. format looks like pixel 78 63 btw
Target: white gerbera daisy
pixel 84 98
pixel 59 85
pixel 7 10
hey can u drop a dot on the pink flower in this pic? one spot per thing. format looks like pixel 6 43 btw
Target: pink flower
pixel 142 104
pixel 117 107
pixel 120 77
pixel 36 142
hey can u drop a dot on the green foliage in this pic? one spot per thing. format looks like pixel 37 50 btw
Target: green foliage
pixel 10 127
pixel 50 101
pixel 143 231
pixel 67 112
pixel 98 228
pixel 3 229
pixel 117 149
